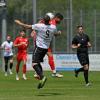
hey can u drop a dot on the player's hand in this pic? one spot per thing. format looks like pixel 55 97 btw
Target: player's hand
pixel 17 21
pixel 59 32
pixel 89 44
pixel 7 49
pixel 32 33
pixel 78 45
pixel 23 43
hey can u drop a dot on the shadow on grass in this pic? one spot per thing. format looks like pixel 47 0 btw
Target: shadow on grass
pixel 48 94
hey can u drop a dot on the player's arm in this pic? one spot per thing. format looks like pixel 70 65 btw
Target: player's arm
pixel 22 24
pixel 57 33
pixel 74 46
pixel 16 43
pixel 2 45
pixel 28 43
pixel 33 33
pixel 89 44
pixel 75 43
pixel 19 44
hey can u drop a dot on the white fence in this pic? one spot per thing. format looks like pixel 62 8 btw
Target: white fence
pixel 67 62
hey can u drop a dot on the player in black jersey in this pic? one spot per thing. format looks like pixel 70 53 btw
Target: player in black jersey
pixel 81 42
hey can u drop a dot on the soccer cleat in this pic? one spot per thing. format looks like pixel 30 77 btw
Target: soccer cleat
pixel 17 78
pixel 42 82
pixel 76 73
pixel 57 75
pixel 6 74
pixel 88 84
pixel 10 72
pixel 24 77
pixel 39 85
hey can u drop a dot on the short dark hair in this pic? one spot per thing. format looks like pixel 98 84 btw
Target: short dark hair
pixel 59 15
pixel 46 19
pixel 79 26
pixel 23 30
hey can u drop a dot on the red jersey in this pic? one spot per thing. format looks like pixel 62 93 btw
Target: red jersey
pixel 53 22
pixel 22 48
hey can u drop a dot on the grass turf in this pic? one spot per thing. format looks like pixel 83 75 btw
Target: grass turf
pixel 66 88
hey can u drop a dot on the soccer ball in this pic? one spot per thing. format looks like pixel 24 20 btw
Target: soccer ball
pixel 51 15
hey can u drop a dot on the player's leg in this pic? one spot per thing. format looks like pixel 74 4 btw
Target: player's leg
pixel 24 66
pixel 6 65
pixel 80 58
pixel 11 65
pixel 78 70
pixel 51 60
pixel 17 66
pixel 38 70
pixel 86 68
pixel 84 61
pixel 38 56
pixel 51 63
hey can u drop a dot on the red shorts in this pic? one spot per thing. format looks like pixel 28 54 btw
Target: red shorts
pixel 49 50
pixel 21 57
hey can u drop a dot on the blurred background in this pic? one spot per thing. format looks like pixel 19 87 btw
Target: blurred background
pixel 75 12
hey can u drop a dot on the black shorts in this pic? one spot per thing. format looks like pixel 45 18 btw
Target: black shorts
pixel 7 58
pixel 38 54
pixel 83 58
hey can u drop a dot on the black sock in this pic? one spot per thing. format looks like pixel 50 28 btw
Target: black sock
pixel 38 70
pixel 11 65
pixel 6 67
pixel 80 70
pixel 41 68
pixel 86 76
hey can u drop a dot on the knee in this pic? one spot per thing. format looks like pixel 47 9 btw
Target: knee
pixel 33 64
pixel 11 61
pixel 49 54
pixel 86 67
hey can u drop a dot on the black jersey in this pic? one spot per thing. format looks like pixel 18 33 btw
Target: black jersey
pixel 82 39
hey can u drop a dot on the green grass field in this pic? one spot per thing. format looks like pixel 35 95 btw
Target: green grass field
pixel 66 88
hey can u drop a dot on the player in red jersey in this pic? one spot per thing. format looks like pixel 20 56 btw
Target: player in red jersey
pixel 21 42
pixel 55 21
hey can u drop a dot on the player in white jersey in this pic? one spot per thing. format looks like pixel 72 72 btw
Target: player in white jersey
pixel 8 54
pixel 44 35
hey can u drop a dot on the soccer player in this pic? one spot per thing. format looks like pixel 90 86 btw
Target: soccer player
pixel 8 54
pixel 54 20
pixel 44 35
pixel 21 42
pixel 81 42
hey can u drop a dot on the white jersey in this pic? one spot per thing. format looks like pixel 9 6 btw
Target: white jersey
pixel 7 48
pixel 44 34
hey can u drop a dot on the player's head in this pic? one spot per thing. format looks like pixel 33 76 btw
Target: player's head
pixel 22 32
pixel 80 29
pixel 8 38
pixel 51 15
pixel 58 17
pixel 46 19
